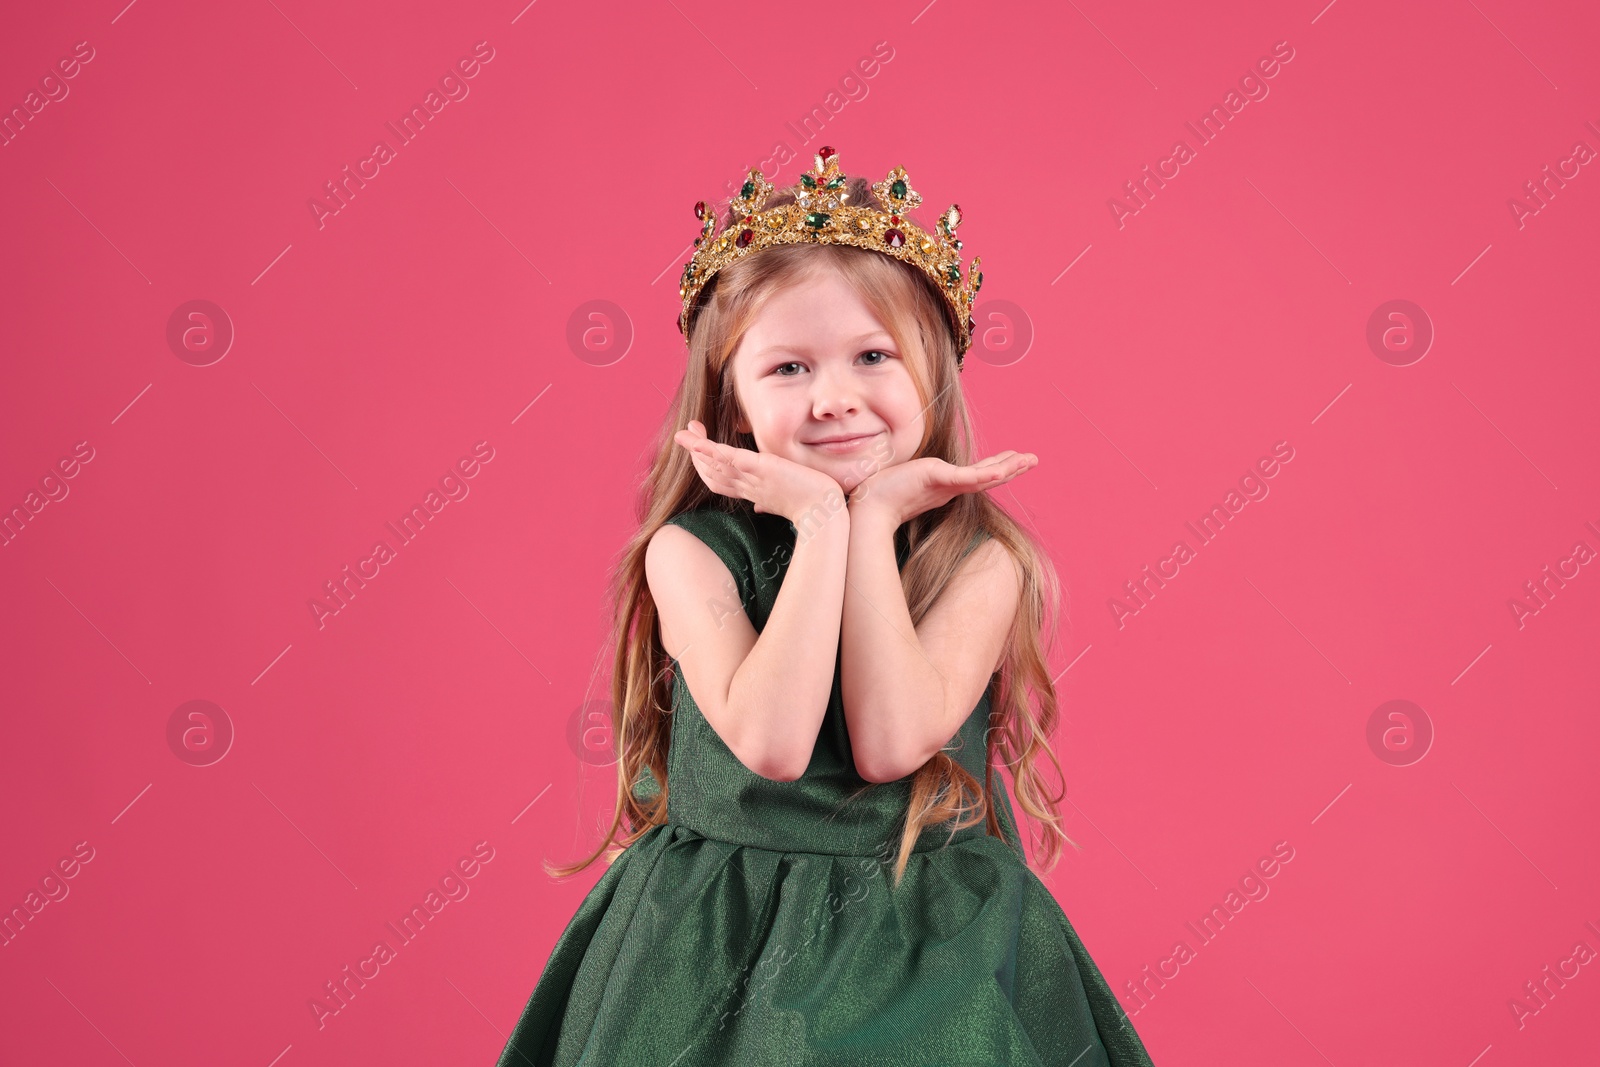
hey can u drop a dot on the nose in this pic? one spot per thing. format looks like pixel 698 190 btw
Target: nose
pixel 834 395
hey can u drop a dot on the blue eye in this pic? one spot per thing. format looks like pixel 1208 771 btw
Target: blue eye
pixel 778 370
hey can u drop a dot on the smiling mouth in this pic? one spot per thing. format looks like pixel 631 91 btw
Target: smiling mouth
pixel 842 446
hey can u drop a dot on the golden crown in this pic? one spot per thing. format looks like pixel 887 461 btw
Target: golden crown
pixel 819 215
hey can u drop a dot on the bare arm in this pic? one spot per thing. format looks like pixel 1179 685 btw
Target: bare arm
pixel 908 689
pixel 765 694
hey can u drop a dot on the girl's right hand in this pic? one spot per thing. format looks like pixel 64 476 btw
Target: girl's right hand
pixel 771 483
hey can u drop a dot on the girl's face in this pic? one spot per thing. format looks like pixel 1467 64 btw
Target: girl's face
pixel 817 364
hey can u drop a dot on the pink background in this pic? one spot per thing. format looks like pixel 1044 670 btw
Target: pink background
pixel 433 311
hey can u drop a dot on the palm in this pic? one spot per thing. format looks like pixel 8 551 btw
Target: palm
pixel 769 482
pixel 908 489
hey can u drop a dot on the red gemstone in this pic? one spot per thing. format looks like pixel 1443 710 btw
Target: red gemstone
pixel 894 238
pixel 699 209
pixel 826 152
pixel 745 237
pixel 895 219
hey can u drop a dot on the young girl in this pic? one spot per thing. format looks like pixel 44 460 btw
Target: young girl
pixel 826 632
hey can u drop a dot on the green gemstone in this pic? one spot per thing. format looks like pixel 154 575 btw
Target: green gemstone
pixel 898 189
pixel 977 282
pixel 955 275
pixel 816 219
pixel 808 181
pixel 747 191
pixel 837 182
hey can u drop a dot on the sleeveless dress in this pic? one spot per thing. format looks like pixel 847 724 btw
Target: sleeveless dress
pixel 758 925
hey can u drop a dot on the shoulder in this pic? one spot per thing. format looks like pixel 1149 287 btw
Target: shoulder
pixel 988 580
pixel 684 575
pixel 687 546
pixel 989 556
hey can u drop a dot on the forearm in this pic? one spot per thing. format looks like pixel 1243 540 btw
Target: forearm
pixel 780 693
pixel 892 692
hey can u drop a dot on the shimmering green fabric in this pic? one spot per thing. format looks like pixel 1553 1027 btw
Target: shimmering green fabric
pixel 758 926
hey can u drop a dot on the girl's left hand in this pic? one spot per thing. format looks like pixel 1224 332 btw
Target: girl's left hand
pixel 908 489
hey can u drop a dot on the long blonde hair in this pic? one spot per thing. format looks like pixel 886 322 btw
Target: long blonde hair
pixel 942 791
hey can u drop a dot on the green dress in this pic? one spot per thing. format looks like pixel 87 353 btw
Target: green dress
pixel 758 925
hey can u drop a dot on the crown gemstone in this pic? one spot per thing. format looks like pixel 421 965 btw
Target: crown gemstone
pixel 808 181
pixel 817 219
pixel 747 190
pixel 826 152
pixel 894 238
pixel 699 209
pixel 898 189
pixel 745 237
pixel 954 274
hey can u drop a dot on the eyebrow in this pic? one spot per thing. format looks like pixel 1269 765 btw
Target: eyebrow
pixel 799 351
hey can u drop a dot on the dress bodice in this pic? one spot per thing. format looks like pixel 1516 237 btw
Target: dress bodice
pixel 830 809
